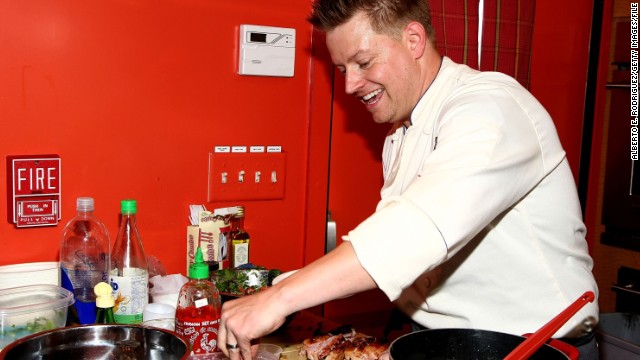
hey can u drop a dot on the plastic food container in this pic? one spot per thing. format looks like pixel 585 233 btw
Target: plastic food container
pixel 26 310
pixel 268 352
pixel 34 273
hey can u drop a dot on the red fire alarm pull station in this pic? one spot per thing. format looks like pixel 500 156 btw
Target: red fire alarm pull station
pixel 33 190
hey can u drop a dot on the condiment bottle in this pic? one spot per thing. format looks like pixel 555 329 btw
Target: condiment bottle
pixel 129 274
pixel 225 237
pixel 239 240
pixel 198 309
pixel 84 258
pixel 104 303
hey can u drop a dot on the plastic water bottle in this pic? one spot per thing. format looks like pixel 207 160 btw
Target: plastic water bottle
pixel 84 258
pixel 130 273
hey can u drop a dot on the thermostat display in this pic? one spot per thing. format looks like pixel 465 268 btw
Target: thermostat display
pixel 266 51
pixel 258 37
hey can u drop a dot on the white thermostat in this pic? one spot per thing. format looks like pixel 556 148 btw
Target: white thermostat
pixel 266 51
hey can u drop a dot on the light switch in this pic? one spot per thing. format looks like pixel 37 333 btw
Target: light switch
pixel 238 176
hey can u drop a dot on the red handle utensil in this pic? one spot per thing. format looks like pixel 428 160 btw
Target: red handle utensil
pixel 535 341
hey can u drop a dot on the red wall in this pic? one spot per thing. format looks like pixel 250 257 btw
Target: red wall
pixel 559 67
pixel 133 95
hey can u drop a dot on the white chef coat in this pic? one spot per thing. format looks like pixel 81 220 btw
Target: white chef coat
pixel 479 184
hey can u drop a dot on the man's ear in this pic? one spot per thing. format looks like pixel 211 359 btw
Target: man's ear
pixel 416 38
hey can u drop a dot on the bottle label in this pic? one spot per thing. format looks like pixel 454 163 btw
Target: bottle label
pixel 131 295
pixel 82 281
pixel 200 326
pixel 240 252
pixel 201 302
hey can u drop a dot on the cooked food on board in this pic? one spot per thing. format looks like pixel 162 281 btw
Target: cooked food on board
pixel 350 345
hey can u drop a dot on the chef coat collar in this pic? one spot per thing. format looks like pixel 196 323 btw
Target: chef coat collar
pixel 422 103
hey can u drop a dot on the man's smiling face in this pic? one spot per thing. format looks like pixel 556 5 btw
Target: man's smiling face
pixel 379 69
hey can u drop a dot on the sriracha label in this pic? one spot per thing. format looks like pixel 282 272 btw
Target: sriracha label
pixel 200 326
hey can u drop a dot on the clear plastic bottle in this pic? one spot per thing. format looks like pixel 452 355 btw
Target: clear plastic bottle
pixel 84 258
pixel 239 240
pixel 198 309
pixel 104 303
pixel 129 274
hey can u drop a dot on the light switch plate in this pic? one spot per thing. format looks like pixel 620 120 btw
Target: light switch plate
pixel 246 176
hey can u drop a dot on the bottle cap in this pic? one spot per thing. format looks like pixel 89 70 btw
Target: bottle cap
pixel 128 206
pixel 199 270
pixel 104 294
pixel 84 204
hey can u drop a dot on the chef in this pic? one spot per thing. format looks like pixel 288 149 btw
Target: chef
pixel 479 203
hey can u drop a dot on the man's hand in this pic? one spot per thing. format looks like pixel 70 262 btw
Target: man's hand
pixel 246 319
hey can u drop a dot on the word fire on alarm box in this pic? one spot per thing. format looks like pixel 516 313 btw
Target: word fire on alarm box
pixel 33 190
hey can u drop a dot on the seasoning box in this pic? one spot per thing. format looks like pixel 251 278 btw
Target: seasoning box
pixel 210 234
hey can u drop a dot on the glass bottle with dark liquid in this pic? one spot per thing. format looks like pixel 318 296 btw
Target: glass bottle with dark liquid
pixel 239 240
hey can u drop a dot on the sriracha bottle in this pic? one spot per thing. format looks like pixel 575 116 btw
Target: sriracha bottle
pixel 198 309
